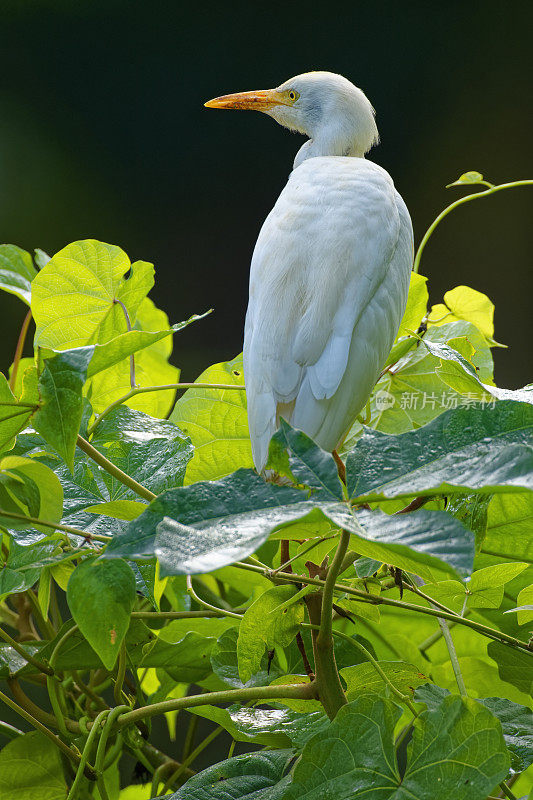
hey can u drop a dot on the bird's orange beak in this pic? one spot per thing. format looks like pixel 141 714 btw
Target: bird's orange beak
pixel 261 100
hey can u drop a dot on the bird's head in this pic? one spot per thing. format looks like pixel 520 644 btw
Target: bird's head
pixel 336 116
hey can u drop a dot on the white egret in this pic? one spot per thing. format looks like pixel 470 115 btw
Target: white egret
pixel 330 270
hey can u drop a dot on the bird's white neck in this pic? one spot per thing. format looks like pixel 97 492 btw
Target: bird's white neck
pixel 318 147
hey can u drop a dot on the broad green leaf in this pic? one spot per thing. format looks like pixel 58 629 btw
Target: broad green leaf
pixel 101 595
pixel 525 605
pixel 16 272
pixel 411 394
pixel 151 369
pixel 119 509
pixel 296 727
pixel 199 528
pixel 13 417
pixel 468 304
pixel 509 526
pixel 417 302
pixel 225 663
pixel 253 775
pixel 58 418
pixel 472 511
pixel 457 747
pixel 485 588
pixel 30 488
pixel 516 722
pixel 514 666
pixel 481 449
pixel 153 451
pixel 76 297
pixel 31 769
pixel 364 679
pixel 273 737
pixel 108 354
pixel 309 465
pixel 450 593
pixel 260 629
pixel 217 423
pixel 517 726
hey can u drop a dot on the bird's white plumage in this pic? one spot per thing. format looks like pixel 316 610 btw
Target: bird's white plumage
pixel 328 288
pixel 330 270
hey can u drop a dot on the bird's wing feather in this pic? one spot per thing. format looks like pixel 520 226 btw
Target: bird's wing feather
pixel 322 259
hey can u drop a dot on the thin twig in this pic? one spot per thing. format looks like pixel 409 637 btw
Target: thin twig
pixel 19 350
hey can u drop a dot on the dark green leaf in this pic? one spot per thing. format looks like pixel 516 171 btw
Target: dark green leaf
pixel 264 625
pixel 514 666
pixel 225 664
pixel 457 751
pixel 58 418
pixel 254 775
pixel 517 726
pixel 476 449
pixel 101 595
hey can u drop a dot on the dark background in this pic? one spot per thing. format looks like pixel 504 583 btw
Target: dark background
pixel 103 134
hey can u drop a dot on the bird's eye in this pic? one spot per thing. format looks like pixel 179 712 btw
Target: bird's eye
pixel 293 95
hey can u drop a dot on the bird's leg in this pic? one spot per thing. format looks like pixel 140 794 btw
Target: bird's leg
pixel 341 469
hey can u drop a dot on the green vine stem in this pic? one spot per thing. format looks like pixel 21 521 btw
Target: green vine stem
pixel 456 204
pixel 298 691
pixel 121 674
pixel 109 467
pixel 165 387
pixel 192 594
pixel 191 757
pixel 9 731
pixel 55 526
pixel 68 751
pixel 361 596
pixel 19 349
pixel 94 731
pixel 320 610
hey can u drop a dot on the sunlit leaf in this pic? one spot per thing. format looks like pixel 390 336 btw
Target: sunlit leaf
pixel 416 305
pixel 468 304
pixel 16 272
pixel 217 423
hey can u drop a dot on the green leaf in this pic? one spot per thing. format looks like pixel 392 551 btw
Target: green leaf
pixel 217 423
pixel 413 393
pixel 101 595
pixel 514 666
pixel 472 511
pixel 228 718
pixel 30 769
pixel 151 369
pixel 30 488
pixel 457 747
pixel 364 679
pixel 13 418
pixel 16 271
pixel 58 419
pixel 310 465
pixel 417 302
pixel 525 605
pixel 253 775
pixel 477 449
pixel 509 525
pixel 517 726
pixel 118 509
pixel 281 722
pixel 109 353
pixel 225 663
pixel 467 178
pixel 468 304
pixel 516 722
pixel 260 629
pixel 75 297
pixel 485 588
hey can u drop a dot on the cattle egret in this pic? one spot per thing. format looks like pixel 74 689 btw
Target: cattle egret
pixel 330 270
